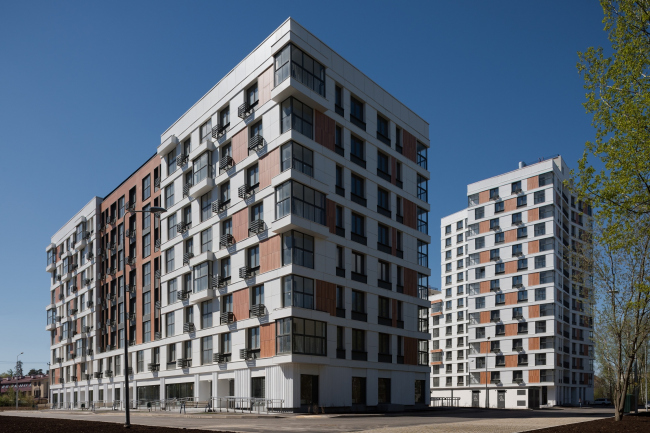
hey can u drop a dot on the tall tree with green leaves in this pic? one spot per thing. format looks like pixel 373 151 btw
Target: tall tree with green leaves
pixel 614 175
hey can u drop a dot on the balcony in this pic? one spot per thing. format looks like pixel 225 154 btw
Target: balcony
pixel 245 110
pixel 358 199
pixel 258 310
pixel 383 211
pixel 246 272
pixel 256 226
pixel 220 358
pixel 168 145
pixel 186 188
pixel 184 294
pixel 97 375
pixel 357 160
pixel 360 239
pixel 184 362
pixel 85 376
pixel 157 245
pixel 186 258
pixel 360 278
pixel 226 318
pixel 339 110
pixel 226 240
pixel 182 159
pixel 219 206
pixel 385 321
pixel 226 163
pixel 202 186
pixel 384 248
pixel 386 285
pixel 189 327
pixel 358 355
pixel 108 373
pixel 245 191
pixel 383 138
pixel 130 260
pixel 248 354
pixel 357 315
pixel 255 143
pixel 219 130
pixel 385 357
pixel 153 367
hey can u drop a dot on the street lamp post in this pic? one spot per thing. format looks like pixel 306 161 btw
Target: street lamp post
pixel 16 386
pixel 157 210
pixel 487 393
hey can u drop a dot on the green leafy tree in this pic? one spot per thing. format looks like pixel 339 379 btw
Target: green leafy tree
pixel 35 372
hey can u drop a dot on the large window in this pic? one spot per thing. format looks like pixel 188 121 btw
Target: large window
pixel 423 221
pixel 298 249
pixel 423 253
pixel 170 324
pixel 294 335
pixel 206 240
pixel 201 277
pixel 169 260
pixel 206 314
pixel 296 198
pixel 206 350
pixel 356 110
pixel 171 162
pixel 171 226
pixel 146 187
pixel 298 291
pixel 357 150
pixel 297 116
pixel 201 167
pixel 171 291
pixel 302 67
pixel 422 155
pixel 169 196
pixel 205 131
pixel 297 157
pixel 422 188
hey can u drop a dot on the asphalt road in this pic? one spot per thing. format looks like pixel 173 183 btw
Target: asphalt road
pixel 463 419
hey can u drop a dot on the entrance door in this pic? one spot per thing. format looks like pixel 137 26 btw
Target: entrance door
pixel 533 398
pixel 475 398
pixel 501 399
pixel 308 389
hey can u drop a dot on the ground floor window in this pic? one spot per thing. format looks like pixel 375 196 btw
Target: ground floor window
pixel 383 390
pixel 258 387
pixel 358 390
pixel 419 391
pixel 151 392
pixel 179 390
pixel 308 389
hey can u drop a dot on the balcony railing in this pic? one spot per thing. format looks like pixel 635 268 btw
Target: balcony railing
pixel 227 317
pixel 244 110
pixel 226 163
pixel 187 187
pixel 258 310
pixel 226 240
pixel 182 159
pixel 186 258
pixel 153 366
pixel 245 272
pixel 256 226
pixel 218 206
pixel 255 143
pixel 219 130
pixel 189 327
pixel 245 191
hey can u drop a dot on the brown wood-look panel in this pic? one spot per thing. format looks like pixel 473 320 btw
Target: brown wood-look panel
pixel 393 170
pixel 511 329
pixel 267 340
pixel 511 361
pixel 409 145
pixel 484 286
pixel 533 343
pixel 484 377
pixel 410 213
pixel 485 317
pixel 241 304
pixel 264 85
pixel 326 297
pixel 511 267
pixel 240 146
pixel 331 215
pixel 269 167
pixel 510 236
pixel 484 256
pixel 240 225
pixel 270 254
pixel 533 311
pixel 533 214
pixel 78 367
pixel 410 282
pixel 533 247
pixel 484 226
pixel 394 244
pixel 324 128
pixel 393 312
pixel 511 298
pixel 510 204
pixel 532 183
pixel 485 347
pixel 56 294
pixel 533 279
pixel 483 197
pixel 533 375
pixel 410 351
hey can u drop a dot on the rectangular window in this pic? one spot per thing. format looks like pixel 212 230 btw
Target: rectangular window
pixel 422 155
pixel 298 249
pixel 171 162
pixel 169 260
pixel 170 324
pixel 357 151
pixel 540 229
pixel 171 291
pixel 206 350
pixel 540 197
pixel 297 116
pixel 296 198
pixel 302 67
pixel 356 113
pixel 206 240
pixel 171 226
pixel 298 157
pixel 146 187
pixel 201 277
pixel 169 196
pixel 201 167
pixel 422 220
pixel 298 292
pixel 294 335
pixel 252 95
pixel 422 187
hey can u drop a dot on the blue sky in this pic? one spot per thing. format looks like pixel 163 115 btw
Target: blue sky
pixel 82 82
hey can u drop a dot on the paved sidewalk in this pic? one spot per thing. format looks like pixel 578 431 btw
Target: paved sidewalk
pixel 434 421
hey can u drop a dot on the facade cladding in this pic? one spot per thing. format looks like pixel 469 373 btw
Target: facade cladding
pixel 512 317
pixel 291 262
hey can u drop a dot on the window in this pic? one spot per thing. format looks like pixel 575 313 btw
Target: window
pixel 499 207
pixel 494 224
pixel 357 151
pixel 201 167
pixel 356 112
pixel 171 226
pixel 139 361
pixel 299 158
pixel 253 177
pixel 522 264
pixel 423 253
pixel 517 281
pixel 224 117
pixel 422 155
pixel 383 234
pixel 500 298
pixel 338 140
pixel 253 258
pixel 252 95
pixel 499 238
pixel 540 359
pixel 384 271
pixel 522 232
pixel 540 294
pixel 146 275
pixel 540 262
pixel 358 263
pixel 146 331
pixel 294 335
pixel 171 162
pixel 206 350
pixel 338 98
pixel 225 268
pixel 302 67
pixel 422 187
pixel 201 277
pixel 171 291
pixel 522 328
pixel 479 273
pixel 422 220
pixel 340 190
pixel 516 187
pixel 448 229
pixel 384 390
pixel 358 186
pixel 522 201
pixel 296 198
pixel 479 213
pixel 480 302
pixel 540 327
pixel 540 229
pixel 539 197
pixel 170 324
pixel 494 254
pixel 358 225
pixel 383 169
pixel 546 277
pixel 499 268
pixel 297 116
pixel 545 179
pixel 224 193
pixel 546 244
pixel 169 260
pixel 206 240
pixel 298 292
pixel 546 211
pixel 494 193
pixel 298 249
pixel 382 130
pixel 479 243
pixel 169 196
pixel 226 343
pixel 146 187
pixel 516 218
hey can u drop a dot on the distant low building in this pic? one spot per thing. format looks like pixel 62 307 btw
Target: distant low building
pixel 28 386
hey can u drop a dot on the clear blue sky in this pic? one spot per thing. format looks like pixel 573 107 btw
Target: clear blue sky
pixel 82 82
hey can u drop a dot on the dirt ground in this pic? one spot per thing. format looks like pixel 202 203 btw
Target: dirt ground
pixel 15 424
pixel 630 424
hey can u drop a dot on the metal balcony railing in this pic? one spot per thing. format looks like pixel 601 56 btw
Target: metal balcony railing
pixel 244 110
pixel 219 358
pixel 258 310
pixel 245 272
pixel 218 131
pixel 182 227
pixel 244 191
pixel 226 240
pixel 189 327
pixel 227 317
pixel 218 206
pixel 256 142
pixel 184 363
pixel 186 258
pixel 226 163
pixel 256 226
pixel 153 366
pixel 245 354
pixel 184 294
pixel 182 159
pixel 156 184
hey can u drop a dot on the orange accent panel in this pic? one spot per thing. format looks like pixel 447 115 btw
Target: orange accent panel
pixel 240 146
pixel 326 297
pixel 331 215
pixel 483 197
pixel 511 267
pixel 533 375
pixel 484 287
pixel 511 361
pixel 533 343
pixel 511 329
pixel 409 143
pixel 533 247
pixel 410 214
pixel 533 279
pixel 264 85
pixel 533 214
pixel 240 225
pixel 270 254
pixel 324 128
pixel 510 236
pixel 410 351
pixel 485 317
pixel 484 377
pixel 484 226
pixel 240 304
pixel 484 256
pixel 79 372
pixel 511 298
pixel 533 182
pixel 511 204
pixel 533 311
pixel 410 282
pixel 269 167
pixel 267 340
pixel 485 347
pixel 439 301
